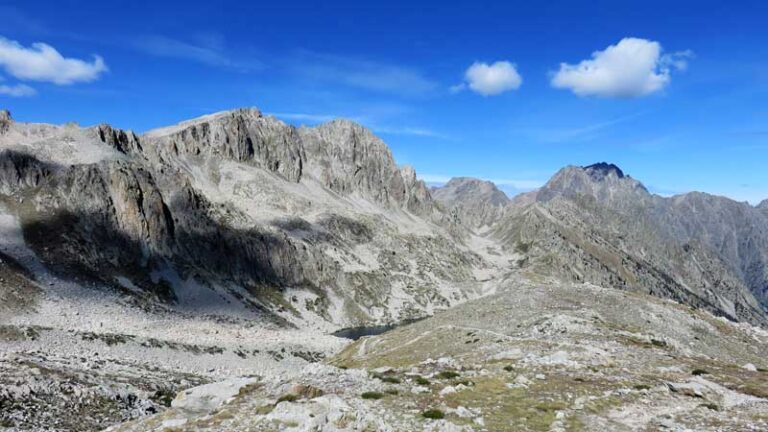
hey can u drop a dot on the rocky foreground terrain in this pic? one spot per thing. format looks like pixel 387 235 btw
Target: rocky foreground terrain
pixel 191 278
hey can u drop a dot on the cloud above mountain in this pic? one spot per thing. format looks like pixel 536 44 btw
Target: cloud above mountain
pixel 42 62
pixel 490 79
pixel 631 68
pixel 18 90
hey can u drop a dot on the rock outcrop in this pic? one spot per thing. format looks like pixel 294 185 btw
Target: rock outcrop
pixel 5 120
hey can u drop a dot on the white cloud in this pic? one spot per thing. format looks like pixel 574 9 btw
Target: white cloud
pixel 42 62
pixel 632 68
pixel 490 80
pixel 19 90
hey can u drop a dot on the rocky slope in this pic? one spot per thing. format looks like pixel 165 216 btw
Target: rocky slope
pixel 472 202
pixel 136 266
pixel 230 246
pixel 598 225
pixel 304 224
pixel 530 358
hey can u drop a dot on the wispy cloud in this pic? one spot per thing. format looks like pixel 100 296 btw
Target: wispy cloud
pixel 365 121
pixel 580 134
pixel 306 117
pixel 208 49
pixel 18 90
pixel 413 131
pixel 360 73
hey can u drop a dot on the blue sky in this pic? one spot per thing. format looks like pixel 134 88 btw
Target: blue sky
pixel 675 93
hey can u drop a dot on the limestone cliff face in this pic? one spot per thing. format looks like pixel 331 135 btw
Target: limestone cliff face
pixel 19 171
pixel 243 205
pixel 125 142
pixel 347 158
pixel 243 135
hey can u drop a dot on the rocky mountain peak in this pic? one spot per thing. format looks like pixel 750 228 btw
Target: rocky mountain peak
pixel 5 120
pixel 600 170
pixel 601 181
pixel 472 201
pixel 763 205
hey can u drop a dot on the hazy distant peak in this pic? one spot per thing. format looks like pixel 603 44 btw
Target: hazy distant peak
pixel 473 201
pixel 763 205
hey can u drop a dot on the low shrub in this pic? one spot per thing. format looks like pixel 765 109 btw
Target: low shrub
pixel 434 414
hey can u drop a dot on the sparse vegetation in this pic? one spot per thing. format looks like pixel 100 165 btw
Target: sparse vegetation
pixel 448 375
pixel 422 381
pixel 434 414
pixel 290 397
pixel 372 395
pixel 697 372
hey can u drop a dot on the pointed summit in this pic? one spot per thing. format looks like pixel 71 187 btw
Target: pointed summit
pixel 600 170
pixel 473 201
pixel 602 181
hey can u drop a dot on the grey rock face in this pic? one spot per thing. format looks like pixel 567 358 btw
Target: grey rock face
pixel 763 206
pixel 5 120
pixel 473 202
pixel 243 205
pixel 347 158
pixel 595 224
pixel 243 135
pixel 125 142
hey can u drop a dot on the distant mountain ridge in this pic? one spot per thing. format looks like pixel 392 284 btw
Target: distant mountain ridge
pixel 596 224
pixel 307 225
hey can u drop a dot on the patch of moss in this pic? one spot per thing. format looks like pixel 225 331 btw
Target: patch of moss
pixel 697 372
pixel 372 395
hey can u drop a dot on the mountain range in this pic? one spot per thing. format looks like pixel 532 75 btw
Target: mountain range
pixel 237 218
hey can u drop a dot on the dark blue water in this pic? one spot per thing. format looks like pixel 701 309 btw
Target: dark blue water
pixel 356 333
